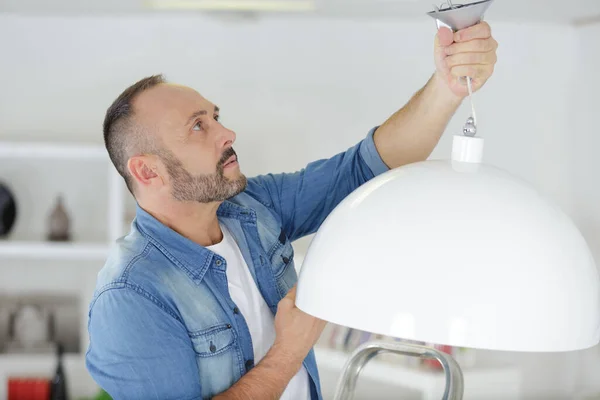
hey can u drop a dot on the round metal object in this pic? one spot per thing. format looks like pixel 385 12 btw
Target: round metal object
pixel 469 129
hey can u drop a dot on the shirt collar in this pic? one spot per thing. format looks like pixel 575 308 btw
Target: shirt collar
pixel 193 258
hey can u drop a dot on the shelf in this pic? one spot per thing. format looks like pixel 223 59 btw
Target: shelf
pixel 418 378
pixel 54 250
pixel 52 150
pixel 15 364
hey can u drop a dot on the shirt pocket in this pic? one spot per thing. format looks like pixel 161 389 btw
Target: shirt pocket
pixel 219 365
pixel 213 341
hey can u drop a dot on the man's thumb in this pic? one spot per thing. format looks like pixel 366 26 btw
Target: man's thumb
pixel 292 293
pixel 444 37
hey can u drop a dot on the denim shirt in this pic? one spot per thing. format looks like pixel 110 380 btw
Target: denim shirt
pixel 161 322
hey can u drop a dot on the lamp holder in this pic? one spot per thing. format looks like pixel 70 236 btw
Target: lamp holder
pixel 366 352
pixel 467 149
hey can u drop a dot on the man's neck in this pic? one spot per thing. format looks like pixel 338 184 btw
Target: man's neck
pixel 195 221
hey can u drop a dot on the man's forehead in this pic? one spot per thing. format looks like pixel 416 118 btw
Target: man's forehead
pixel 172 101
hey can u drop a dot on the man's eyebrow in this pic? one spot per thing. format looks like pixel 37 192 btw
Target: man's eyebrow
pixel 197 114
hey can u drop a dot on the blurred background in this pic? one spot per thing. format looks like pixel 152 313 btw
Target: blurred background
pixel 297 80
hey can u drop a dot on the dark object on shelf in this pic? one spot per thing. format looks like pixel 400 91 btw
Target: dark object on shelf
pixel 58 386
pixel 8 210
pixel 59 222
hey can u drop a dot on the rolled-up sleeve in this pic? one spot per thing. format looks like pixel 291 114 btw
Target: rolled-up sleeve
pixel 303 199
pixel 371 156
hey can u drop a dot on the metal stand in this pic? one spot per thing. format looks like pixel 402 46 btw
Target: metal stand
pixel 363 354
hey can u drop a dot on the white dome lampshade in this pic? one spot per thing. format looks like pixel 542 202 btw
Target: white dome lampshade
pixel 457 253
pixel 452 252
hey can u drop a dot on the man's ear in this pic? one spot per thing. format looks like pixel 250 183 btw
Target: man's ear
pixel 144 170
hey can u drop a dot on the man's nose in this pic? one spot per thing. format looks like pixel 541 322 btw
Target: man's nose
pixel 226 137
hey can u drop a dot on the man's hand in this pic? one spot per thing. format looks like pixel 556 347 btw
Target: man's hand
pixel 411 134
pixel 295 331
pixel 468 52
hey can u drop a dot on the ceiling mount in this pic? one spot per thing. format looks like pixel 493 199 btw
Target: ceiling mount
pixel 460 16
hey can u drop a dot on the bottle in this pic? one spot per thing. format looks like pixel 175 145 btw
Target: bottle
pixel 58 386
pixel 59 222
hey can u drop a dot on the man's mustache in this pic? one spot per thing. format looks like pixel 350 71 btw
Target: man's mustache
pixel 226 155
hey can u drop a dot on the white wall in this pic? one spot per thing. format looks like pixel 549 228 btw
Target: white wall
pixel 308 87
pixel 296 90
pixel 585 135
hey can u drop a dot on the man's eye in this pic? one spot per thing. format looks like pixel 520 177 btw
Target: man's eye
pixel 198 126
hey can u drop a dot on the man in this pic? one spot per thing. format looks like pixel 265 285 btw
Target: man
pixel 197 301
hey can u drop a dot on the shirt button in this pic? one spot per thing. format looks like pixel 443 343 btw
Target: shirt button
pixel 228 326
pixel 236 310
pixel 213 348
pixel 285 260
pixel 249 365
pixel 218 262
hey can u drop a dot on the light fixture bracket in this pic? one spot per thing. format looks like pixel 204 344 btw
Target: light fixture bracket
pixel 460 16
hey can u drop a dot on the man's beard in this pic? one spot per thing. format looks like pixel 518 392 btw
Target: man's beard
pixel 202 188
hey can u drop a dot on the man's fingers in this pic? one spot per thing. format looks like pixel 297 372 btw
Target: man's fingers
pixel 481 30
pixel 289 301
pixel 471 59
pixel 473 46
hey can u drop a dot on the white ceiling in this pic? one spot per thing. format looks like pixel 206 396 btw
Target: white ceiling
pixel 562 11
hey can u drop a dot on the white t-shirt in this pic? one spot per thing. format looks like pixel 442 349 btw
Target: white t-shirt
pixel 261 323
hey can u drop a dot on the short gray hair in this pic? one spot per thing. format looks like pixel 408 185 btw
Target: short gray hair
pixel 123 137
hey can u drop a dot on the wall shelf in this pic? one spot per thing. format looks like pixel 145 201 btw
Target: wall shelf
pixel 36 363
pixel 25 151
pixel 54 250
pixel 91 243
